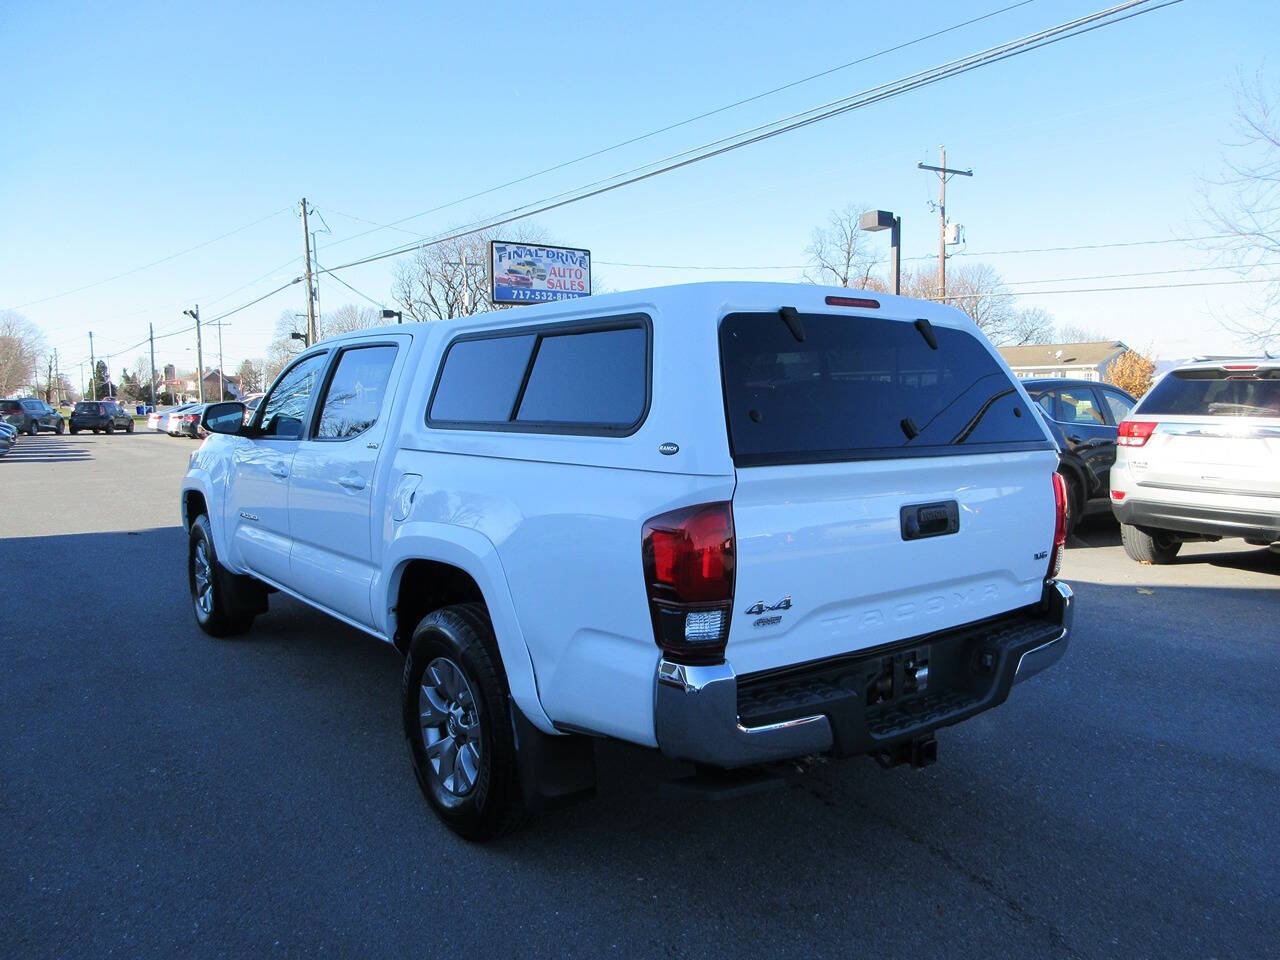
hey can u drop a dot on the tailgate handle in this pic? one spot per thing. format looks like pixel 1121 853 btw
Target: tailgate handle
pixel 920 520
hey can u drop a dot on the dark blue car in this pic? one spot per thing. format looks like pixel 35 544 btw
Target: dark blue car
pixel 1083 417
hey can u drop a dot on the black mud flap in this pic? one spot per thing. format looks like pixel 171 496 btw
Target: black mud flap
pixel 555 770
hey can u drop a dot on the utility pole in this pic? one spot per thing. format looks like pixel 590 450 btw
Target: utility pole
pixel 311 291
pixel 151 336
pixel 57 378
pixel 944 174
pixel 194 314
pixel 221 385
pixel 93 370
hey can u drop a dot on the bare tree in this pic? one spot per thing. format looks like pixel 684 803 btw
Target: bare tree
pixel 347 318
pixel 840 252
pixel 1243 205
pixel 1078 333
pixel 451 279
pixel 980 291
pixel 20 349
pixel 284 346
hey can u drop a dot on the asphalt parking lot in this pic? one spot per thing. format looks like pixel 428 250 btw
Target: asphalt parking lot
pixel 164 794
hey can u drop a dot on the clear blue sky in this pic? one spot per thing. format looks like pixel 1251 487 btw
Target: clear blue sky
pixel 130 134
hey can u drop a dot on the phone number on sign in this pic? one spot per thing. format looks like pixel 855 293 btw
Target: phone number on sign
pixel 515 293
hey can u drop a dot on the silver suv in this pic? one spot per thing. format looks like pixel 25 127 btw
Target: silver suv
pixel 1199 459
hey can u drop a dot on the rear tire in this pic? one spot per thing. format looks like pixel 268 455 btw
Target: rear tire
pixel 34 429
pixel 61 427
pixel 457 721
pixel 1155 546
pixel 74 431
pixel 111 428
pixel 129 428
pixel 213 601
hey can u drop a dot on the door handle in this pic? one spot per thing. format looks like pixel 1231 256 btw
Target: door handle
pixel 1074 439
pixel 278 470
pixel 352 481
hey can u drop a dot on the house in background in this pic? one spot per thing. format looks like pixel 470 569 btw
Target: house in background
pixel 229 381
pixel 1079 361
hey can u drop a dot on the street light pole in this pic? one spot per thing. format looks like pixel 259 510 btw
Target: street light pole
pixel 874 220
pixel 388 314
pixel 194 314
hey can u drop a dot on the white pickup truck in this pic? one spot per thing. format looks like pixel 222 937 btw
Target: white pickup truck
pixel 738 522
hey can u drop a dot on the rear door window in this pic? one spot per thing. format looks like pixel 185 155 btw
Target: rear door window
pixel 859 388
pixel 1117 403
pixel 353 402
pixel 1215 393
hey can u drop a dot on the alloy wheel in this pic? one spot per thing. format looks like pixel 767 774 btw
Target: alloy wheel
pixel 203 576
pixel 450 723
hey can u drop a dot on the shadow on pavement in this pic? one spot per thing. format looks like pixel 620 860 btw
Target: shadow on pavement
pixel 45 448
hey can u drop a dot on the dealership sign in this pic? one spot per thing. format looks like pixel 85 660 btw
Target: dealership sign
pixel 532 273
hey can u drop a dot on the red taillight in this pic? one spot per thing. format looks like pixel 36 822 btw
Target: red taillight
pixel 190 417
pixel 1059 525
pixel 689 570
pixel 1117 495
pixel 1134 433
pixel 1241 366
pixel 864 302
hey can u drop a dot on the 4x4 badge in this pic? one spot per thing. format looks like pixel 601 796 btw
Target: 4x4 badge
pixel 760 606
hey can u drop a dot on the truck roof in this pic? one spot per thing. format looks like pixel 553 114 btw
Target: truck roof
pixel 709 298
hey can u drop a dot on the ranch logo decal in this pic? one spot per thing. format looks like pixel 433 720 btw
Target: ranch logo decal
pixel 533 273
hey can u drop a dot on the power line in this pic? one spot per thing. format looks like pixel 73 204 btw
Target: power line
pixel 1141 273
pixel 964 253
pixel 1043 38
pixel 1149 286
pixel 395 224
pixel 153 263
pixel 334 276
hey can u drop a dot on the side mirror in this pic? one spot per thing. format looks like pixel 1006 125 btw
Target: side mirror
pixel 225 417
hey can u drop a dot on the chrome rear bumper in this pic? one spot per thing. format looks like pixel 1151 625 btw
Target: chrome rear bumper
pixel 696 708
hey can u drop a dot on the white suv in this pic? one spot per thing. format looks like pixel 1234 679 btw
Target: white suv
pixel 737 522
pixel 1199 459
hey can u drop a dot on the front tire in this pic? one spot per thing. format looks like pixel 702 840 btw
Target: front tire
pixel 457 721
pixel 129 428
pixel 216 612
pixel 111 428
pixel 61 427
pixel 1154 546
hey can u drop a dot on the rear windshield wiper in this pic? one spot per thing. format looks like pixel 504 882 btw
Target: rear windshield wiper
pixel 791 317
pixel 972 425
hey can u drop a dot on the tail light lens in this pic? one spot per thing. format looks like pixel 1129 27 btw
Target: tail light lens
pixel 1059 525
pixel 689 574
pixel 1134 433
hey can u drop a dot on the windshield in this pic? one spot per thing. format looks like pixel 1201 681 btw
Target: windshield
pixel 864 388
pixel 1215 393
